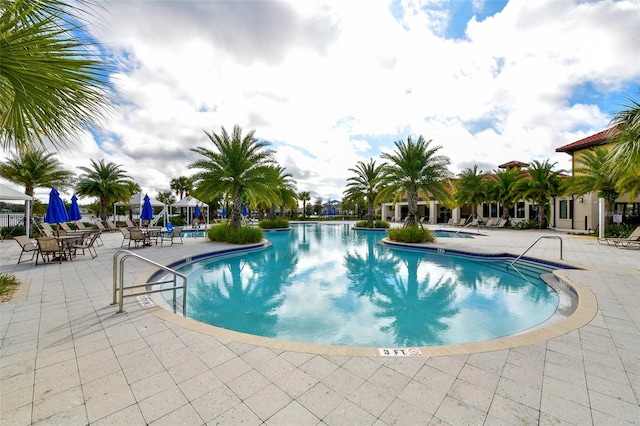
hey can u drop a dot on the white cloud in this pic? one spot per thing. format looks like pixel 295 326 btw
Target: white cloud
pixel 320 78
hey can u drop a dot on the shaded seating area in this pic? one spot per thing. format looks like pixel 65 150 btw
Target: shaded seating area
pixel 27 246
pixel 631 240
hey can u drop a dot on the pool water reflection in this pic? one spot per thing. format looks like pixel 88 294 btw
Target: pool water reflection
pixel 329 284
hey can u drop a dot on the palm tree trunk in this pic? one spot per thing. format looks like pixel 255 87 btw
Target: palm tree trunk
pixel 370 214
pixel 236 213
pixel 412 201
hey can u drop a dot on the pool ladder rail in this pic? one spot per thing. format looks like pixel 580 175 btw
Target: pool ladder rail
pixel 512 264
pixel 119 288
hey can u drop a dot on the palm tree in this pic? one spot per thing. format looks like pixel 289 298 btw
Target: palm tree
pixel 166 198
pixel 304 196
pixel 52 84
pixel 365 184
pixel 35 169
pixel 542 184
pixel 240 166
pixel 594 175
pixel 182 186
pixel 285 190
pixel 624 158
pixel 415 166
pixel 107 181
pixel 504 186
pixel 471 188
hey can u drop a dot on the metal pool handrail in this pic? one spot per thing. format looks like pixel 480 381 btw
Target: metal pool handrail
pixel 118 281
pixel 534 243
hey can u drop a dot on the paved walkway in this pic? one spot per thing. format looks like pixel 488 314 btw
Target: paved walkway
pixel 67 357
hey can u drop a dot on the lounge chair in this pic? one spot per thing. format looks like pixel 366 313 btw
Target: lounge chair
pixel 65 226
pixel 27 246
pixel 622 242
pixel 47 229
pixel 112 226
pixel 49 248
pixel 80 225
pixel 491 222
pixel 126 235
pixel 130 224
pixel 87 244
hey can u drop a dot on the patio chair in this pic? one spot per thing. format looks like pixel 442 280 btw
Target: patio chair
pixel 130 224
pixel 66 227
pixel 137 237
pixel 87 244
pixel 172 235
pixel 80 225
pixel 47 229
pixel 27 246
pixel 49 248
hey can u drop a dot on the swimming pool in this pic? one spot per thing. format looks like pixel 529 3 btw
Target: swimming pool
pixel 329 284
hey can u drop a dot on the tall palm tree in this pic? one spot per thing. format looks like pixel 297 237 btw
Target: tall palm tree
pixel 304 196
pixel 471 188
pixel 414 166
pixel 624 158
pixel 285 188
pixel 52 83
pixel 107 181
pixel 504 186
pixel 182 186
pixel 542 184
pixel 240 166
pixel 594 175
pixel 166 197
pixel 365 184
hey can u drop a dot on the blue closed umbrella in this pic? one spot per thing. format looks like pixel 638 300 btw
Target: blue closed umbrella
pixel 244 210
pixel 56 212
pixel 74 210
pixel 223 213
pixel 196 211
pixel 147 210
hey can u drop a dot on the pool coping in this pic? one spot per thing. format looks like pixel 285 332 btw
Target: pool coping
pixel 585 311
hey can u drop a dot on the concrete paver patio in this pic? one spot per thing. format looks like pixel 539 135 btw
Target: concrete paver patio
pixel 67 357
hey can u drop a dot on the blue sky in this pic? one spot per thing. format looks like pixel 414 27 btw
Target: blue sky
pixel 331 83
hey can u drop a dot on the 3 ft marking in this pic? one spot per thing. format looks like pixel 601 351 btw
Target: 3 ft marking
pixel 399 351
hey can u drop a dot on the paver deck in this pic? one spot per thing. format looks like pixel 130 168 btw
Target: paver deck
pixel 67 357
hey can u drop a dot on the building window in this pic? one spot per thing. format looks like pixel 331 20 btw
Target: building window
pixel 520 210
pixel 564 209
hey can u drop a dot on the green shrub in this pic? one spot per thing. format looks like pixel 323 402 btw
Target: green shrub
pixel 8 283
pixel 177 221
pixel 376 224
pixel 244 235
pixel 618 230
pixel 527 224
pixel 412 234
pixel 278 223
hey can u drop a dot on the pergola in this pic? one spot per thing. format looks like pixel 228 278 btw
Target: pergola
pixel 190 204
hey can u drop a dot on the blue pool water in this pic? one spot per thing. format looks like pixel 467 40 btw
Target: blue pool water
pixel 330 284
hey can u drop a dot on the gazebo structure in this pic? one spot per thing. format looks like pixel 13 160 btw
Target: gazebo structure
pixel 190 204
pixel 136 200
pixel 9 194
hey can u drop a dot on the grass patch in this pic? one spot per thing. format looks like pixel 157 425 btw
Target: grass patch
pixel 412 234
pixel 244 235
pixel 278 223
pixel 8 284
pixel 376 224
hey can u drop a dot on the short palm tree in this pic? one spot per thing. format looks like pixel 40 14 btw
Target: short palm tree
pixel 542 184
pixel 107 181
pixel 624 158
pixel 365 184
pixel 240 166
pixel 594 175
pixel 414 167
pixel 304 196
pixel 52 84
pixel 504 187
pixel 285 190
pixel 471 189
pixel 35 169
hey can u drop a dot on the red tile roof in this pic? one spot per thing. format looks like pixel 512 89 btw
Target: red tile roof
pixel 512 164
pixel 599 138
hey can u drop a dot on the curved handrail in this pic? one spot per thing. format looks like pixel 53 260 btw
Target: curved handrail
pixel 468 225
pixel 534 243
pixel 118 280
